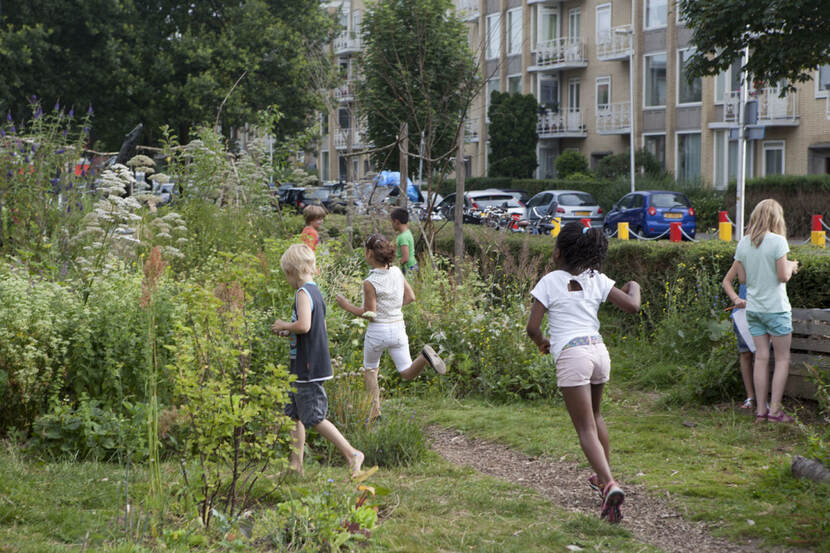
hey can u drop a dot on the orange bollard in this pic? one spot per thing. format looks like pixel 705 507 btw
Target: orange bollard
pixel 724 227
pixel 674 234
pixel 818 236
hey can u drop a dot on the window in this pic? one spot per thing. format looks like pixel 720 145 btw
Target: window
pixel 493 35
pixel 343 119
pixel 727 83
pixel 773 158
pixel 492 85
pixel 656 145
pixel 356 22
pixel 547 25
pixel 603 93
pixel 324 167
pixel 603 23
pixel 655 14
pixel 823 81
pixel 549 93
pixel 324 123
pixel 688 156
pixel 687 92
pixel 655 75
pixel 574 24
pixel 573 95
pixel 514 31
pixel 514 84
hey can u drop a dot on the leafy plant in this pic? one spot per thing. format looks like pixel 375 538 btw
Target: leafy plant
pixel 569 162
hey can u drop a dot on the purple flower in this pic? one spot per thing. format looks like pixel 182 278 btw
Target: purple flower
pixel 34 98
pixel 9 116
pixel 27 159
pixel 72 112
pixel 2 133
pixel 54 181
pixel 69 208
pixel 86 130
pixel 13 129
pixel 10 174
pixel 57 105
pixel 39 112
pixel 65 132
pixel 89 111
pixel 34 148
pixel 62 150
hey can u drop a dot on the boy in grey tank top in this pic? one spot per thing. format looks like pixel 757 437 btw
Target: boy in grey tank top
pixel 310 360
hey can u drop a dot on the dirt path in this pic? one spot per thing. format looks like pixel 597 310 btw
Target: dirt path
pixel 651 519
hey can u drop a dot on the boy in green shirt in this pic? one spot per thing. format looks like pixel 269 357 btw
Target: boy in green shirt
pixel 405 241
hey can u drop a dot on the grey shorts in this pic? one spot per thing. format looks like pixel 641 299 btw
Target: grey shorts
pixel 309 404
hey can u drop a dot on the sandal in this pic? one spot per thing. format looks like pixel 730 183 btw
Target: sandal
pixel 748 403
pixel 780 417
pixel 762 418
pixel 595 484
pixel 614 497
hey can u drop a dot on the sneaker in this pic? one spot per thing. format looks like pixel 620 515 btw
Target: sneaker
pixel 434 360
pixel 613 498
pixel 595 484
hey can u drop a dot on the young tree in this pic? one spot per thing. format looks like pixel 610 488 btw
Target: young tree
pixel 513 135
pixel 417 68
pixel 786 38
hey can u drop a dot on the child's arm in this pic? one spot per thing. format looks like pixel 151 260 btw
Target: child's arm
pixel 534 327
pixel 785 268
pixel 736 270
pixel 408 293
pixel 404 255
pixel 303 323
pixel 370 301
pixel 626 298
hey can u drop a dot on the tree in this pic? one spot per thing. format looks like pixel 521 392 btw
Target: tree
pixel 513 135
pixel 163 61
pixel 786 38
pixel 417 68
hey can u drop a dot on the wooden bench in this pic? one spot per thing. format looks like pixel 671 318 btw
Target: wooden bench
pixel 810 345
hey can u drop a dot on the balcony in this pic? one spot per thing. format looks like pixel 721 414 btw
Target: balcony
pixel 468 10
pixel 615 44
pixel 561 124
pixel 614 118
pixel 471 127
pixel 775 111
pixel 357 136
pixel 560 53
pixel 345 92
pixel 347 43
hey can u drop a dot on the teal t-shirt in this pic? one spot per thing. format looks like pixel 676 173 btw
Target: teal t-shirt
pixel 406 239
pixel 764 292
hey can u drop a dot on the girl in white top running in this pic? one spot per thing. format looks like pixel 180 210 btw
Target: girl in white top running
pixel 385 291
pixel 571 296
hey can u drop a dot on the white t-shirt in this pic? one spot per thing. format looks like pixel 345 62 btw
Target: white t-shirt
pixel 764 292
pixel 571 314
pixel 389 288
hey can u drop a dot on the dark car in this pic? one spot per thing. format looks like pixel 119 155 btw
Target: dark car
pixel 567 205
pixel 299 198
pixel 649 213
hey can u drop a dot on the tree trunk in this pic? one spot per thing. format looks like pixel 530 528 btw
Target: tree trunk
pixel 459 205
pixel 404 168
pixel 808 468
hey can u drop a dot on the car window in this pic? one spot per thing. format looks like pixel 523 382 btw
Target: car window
pixel 669 199
pixel 539 199
pixel 576 199
pixel 317 194
pixel 638 201
pixel 625 203
pixel 496 200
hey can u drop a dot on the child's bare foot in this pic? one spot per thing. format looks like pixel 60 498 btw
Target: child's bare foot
pixel 356 463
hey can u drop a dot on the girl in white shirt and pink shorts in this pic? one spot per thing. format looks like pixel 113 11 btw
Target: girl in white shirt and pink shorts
pixel 571 296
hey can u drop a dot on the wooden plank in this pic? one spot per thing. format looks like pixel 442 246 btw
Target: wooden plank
pixel 811 328
pixel 818 361
pixel 811 314
pixel 811 345
pixel 801 387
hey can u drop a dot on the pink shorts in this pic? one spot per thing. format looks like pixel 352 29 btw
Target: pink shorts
pixel 582 365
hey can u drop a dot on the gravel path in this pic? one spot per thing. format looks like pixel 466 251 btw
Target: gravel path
pixel 651 519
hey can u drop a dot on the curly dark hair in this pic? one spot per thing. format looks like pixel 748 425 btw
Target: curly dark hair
pixel 581 248
pixel 382 249
pixel 401 215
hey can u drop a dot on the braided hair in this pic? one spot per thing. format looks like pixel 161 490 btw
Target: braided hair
pixel 581 248
pixel 382 249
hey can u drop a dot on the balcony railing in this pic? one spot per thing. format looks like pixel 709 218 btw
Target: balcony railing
pixel 566 123
pixel 358 138
pixel 731 106
pixel 471 130
pixel 468 10
pixel 614 118
pixel 614 44
pixel 345 92
pixel 560 53
pixel 773 110
pixel 347 42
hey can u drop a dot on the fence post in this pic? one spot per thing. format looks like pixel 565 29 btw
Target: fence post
pixel 622 231
pixel 674 234
pixel 724 227
pixel 557 227
pixel 817 236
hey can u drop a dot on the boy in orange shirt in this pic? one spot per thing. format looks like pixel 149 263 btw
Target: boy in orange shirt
pixel 314 215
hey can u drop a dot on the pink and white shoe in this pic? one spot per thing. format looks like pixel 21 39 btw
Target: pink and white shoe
pixel 613 497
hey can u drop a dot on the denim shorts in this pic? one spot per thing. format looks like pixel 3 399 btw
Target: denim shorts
pixel 742 347
pixel 309 404
pixel 774 324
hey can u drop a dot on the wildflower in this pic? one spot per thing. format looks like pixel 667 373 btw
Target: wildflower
pixel 57 106
pixel 38 113
pixel 72 112
pixel 89 111
pixel 330 480
pixel 9 116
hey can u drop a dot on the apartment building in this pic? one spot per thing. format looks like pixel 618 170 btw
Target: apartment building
pixel 578 58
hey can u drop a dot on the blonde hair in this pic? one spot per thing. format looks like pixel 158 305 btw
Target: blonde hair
pixel 768 216
pixel 313 212
pixel 298 260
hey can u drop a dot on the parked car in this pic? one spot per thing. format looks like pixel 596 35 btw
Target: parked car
pixel 478 200
pixel 650 213
pixel 299 197
pixel 422 197
pixel 520 195
pixel 568 205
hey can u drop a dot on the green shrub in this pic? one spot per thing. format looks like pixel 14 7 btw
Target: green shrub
pixel 394 441
pixel 570 162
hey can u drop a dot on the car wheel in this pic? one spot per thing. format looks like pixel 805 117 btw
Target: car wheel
pixel 607 231
pixel 638 230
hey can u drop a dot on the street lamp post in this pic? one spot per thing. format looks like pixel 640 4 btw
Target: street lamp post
pixel 632 168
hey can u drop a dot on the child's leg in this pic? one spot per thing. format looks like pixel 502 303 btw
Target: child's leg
pixel 745 360
pixel 761 373
pixel 781 347
pixel 578 400
pixel 602 430
pixel 370 380
pixel 413 370
pixel 297 446
pixel 352 455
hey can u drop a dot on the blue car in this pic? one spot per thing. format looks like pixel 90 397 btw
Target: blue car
pixel 649 213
